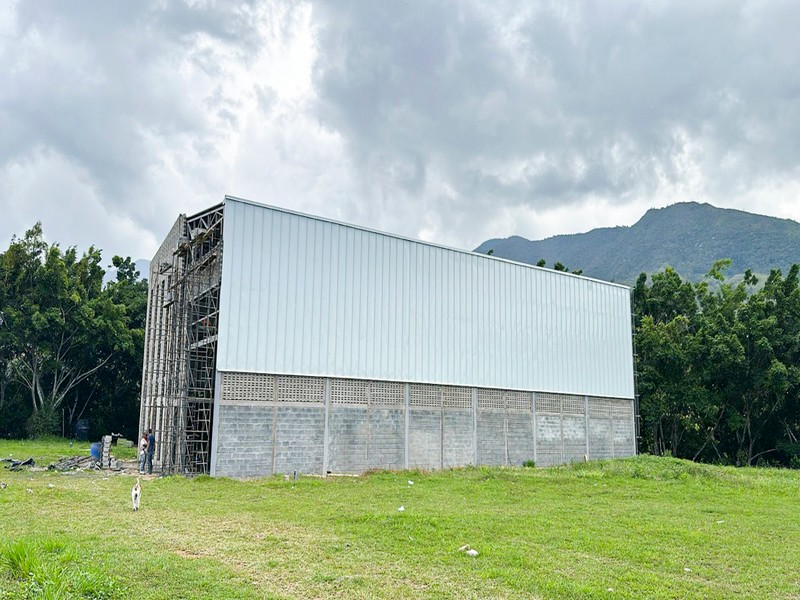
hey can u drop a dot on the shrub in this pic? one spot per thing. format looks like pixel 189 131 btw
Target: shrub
pixel 43 422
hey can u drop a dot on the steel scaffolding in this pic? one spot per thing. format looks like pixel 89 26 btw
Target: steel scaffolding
pixel 181 343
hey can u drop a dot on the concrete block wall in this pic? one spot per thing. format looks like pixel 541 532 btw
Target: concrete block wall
pixel 548 439
pixel 520 438
pixel 244 440
pixel 347 439
pixel 600 437
pixel 622 437
pixel 387 440
pixel 425 438
pixel 458 447
pixel 268 424
pixel 491 432
pixel 299 437
pixel 574 431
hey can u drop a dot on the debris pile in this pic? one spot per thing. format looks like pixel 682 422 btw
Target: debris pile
pixel 16 465
pixel 76 463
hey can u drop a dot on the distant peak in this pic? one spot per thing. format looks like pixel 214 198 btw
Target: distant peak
pixel 694 208
pixel 682 206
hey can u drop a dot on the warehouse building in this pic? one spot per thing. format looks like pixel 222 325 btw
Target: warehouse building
pixel 279 342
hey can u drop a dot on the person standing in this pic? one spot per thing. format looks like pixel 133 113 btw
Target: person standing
pixel 142 452
pixel 151 450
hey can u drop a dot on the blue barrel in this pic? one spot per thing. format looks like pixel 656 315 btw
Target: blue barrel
pixel 97 449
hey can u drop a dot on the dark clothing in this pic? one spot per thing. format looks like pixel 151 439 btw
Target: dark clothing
pixel 151 448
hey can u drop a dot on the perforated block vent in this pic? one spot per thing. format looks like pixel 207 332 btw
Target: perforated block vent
pixel 249 387
pixel 424 396
pixel 491 400
pixel 387 393
pixel 607 408
pixel 301 389
pixel 348 391
pixel 600 407
pixel 622 408
pixel 560 403
pixel 518 401
pixel 504 400
pixel 439 396
pixel 456 397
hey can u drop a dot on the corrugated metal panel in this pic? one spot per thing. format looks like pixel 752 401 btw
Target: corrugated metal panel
pixel 306 296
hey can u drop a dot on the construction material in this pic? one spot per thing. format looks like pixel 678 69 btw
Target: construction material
pixel 105 460
pixel 16 465
pixel 74 463
pixel 181 344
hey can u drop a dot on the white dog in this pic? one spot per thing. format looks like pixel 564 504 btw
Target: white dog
pixel 136 494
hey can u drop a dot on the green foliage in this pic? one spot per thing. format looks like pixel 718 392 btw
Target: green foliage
pixel 718 366
pixel 45 568
pixel 43 422
pixel 67 343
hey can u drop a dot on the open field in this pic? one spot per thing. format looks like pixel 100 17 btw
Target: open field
pixel 642 527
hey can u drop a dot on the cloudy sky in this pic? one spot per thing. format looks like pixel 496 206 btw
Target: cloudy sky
pixel 450 122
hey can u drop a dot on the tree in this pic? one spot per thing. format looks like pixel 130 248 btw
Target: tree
pixel 112 397
pixel 61 328
pixel 718 366
pixel 768 333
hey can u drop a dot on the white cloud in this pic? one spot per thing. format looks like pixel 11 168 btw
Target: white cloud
pixel 67 202
pixel 452 123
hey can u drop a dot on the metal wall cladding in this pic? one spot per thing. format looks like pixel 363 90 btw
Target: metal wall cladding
pixel 306 296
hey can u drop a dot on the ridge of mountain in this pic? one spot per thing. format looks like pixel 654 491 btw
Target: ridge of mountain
pixel 687 236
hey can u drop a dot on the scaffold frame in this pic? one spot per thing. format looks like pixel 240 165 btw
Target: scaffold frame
pixel 181 335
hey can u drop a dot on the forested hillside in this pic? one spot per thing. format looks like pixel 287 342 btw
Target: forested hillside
pixel 687 236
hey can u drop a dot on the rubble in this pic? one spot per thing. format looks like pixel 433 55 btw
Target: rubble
pixel 16 465
pixel 74 463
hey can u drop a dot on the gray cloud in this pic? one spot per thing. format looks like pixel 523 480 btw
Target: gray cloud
pixel 95 84
pixel 449 121
pixel 567 102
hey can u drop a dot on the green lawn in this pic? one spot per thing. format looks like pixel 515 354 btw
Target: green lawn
pixel 642 527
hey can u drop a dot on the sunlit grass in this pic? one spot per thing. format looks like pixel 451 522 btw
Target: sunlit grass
pixel 642 527
pixel 45 568
pixel 51 449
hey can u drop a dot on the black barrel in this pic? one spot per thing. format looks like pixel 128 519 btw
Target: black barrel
pixel 82 430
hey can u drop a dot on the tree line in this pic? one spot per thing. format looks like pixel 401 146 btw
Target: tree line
pixel 718 362
pixel 718 366
pixel 70 345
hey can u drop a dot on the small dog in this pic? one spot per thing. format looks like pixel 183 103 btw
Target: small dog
pixel 136 494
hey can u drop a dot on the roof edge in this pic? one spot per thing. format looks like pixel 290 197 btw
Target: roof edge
pixel 416 241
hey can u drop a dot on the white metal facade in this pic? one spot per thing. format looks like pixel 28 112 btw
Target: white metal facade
pixel 306 296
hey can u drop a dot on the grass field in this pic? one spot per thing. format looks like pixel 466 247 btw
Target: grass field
pixel 633 528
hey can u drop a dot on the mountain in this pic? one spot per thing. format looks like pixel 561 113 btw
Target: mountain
pixel 686 236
